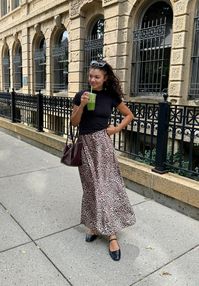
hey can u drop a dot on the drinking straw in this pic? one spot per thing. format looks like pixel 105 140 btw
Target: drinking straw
pixel 91 88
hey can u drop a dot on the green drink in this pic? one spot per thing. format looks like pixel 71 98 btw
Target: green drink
pixel 91 102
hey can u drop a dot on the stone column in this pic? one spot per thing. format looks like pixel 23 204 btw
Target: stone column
pixel 76 40
pixel 48 90
pixel 116 38
pixel 1 66
pixel 9 5
pixel 30 67
pixel 25 68
pixel 178 84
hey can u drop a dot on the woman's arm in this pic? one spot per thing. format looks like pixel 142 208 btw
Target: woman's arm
pixel 78 110
pixel 128 117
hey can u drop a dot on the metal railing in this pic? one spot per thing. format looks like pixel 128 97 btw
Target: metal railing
pixel 163 135
pixel 5 105
pixel 138 139
pixel 183 140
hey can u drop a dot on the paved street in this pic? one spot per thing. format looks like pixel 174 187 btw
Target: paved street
pixel 42 242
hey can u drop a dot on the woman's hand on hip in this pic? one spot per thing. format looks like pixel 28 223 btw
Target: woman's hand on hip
pixel 111 129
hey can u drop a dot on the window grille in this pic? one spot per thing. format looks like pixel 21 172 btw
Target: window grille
pixel 6 71
pixel 40 66
pixel 93 47
pixel 151 53
pixel 194 83
pixel 60 60
pixel 17 69
pixel 15 3
pixel 4 8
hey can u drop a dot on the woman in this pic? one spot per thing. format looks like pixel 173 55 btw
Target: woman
pixel 105 205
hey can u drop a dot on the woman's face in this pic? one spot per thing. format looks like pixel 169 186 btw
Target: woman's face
pixel 96 78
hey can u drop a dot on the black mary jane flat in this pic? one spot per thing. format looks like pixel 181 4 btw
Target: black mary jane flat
pixel 91 237
pixel 115 255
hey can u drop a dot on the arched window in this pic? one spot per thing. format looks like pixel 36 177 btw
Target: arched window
pixel 93 47
pixel 60 62
pixel 194 83
pixel 17 67
pixel 151 51
pixel 40 64
pixel 6 69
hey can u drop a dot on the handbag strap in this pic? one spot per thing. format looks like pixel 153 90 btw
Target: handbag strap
pixel 73 136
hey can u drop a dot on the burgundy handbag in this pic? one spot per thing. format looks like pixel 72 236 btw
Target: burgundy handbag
pixel 72 151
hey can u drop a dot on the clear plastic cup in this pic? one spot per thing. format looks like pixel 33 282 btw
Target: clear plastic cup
pixel 91 102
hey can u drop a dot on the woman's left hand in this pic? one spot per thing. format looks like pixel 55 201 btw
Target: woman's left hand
pixel 111 129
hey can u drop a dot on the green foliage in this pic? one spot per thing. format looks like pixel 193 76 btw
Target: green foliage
pixel 177 163
pixel 148 156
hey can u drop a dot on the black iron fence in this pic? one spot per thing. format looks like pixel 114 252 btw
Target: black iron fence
pixel 162 135
pixel 183 140
pixel 139 139
pixel 41 112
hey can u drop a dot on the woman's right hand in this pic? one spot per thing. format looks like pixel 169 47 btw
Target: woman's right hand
pixel 84 98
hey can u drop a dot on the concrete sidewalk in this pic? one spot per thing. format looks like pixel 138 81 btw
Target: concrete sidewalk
pixel 42 241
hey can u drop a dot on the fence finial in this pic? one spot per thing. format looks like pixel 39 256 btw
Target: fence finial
pixel 165 94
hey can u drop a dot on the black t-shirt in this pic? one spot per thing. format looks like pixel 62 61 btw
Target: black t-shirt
pixel 97 120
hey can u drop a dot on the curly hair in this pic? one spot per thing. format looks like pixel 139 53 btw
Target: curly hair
pixel 112 83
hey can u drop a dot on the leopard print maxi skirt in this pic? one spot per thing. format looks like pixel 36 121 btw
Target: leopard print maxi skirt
pixel 105 205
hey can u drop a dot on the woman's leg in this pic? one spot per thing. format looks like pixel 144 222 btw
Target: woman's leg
pixel 91 231
pixel 113 243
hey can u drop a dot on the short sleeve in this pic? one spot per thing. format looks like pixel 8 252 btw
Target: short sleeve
pixel 77 98
pixel 116 101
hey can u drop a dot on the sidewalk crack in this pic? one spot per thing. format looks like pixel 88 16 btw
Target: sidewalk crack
pixel 34 242
pixel 29 172
pixel 174 259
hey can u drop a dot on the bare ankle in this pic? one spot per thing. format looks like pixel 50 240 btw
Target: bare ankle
pixel 113 236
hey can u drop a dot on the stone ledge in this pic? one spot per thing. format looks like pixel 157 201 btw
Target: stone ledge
pixel 44 140
pixel 171 185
